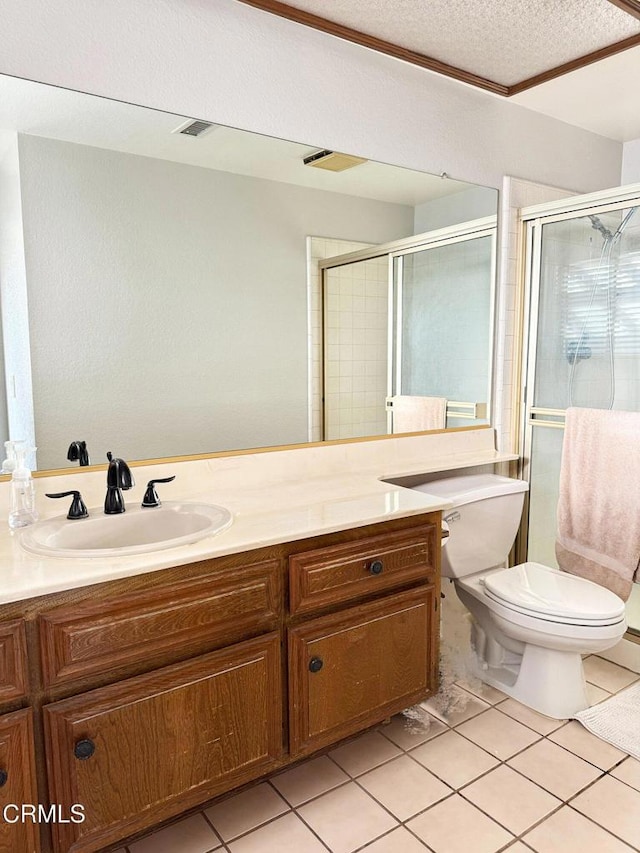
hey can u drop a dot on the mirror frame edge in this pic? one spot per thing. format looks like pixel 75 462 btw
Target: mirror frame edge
pixel 196 457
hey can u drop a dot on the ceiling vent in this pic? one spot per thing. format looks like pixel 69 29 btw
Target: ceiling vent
pixel 194 127
pixel 332 161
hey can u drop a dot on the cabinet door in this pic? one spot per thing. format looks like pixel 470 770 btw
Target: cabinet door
pixel 17 783
pixel 143 750
pixel 13 661
pixel 354 668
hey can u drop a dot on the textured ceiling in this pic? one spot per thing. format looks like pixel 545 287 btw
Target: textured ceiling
pixel 505 41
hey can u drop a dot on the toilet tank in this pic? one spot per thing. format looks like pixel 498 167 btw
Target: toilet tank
pixel 483 522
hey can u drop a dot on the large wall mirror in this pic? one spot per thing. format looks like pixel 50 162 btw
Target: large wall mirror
pixel 173 290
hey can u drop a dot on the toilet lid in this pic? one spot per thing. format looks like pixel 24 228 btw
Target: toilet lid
pixel 551 593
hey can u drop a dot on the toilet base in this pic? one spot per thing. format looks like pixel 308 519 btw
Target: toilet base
pixel 551 682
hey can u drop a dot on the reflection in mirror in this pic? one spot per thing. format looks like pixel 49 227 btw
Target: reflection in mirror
pixel 160 292
pixel 408 333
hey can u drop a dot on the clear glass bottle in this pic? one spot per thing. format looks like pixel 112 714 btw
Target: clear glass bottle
pixel 23 494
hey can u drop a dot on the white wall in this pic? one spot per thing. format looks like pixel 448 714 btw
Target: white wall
pixel 230 63
pixel 168 303
pixel 631 162
pixel 16 406
pixel 474 203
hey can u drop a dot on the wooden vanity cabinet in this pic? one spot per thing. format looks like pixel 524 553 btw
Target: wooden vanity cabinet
pixel 17 783
pixel 139 751
pixel 354 668
pixel 376 652
pixel 153 694
pixel 13 660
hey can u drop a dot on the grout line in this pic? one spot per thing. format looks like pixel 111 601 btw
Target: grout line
pixel 526 725
pixel 311 829
pixel 421 840
pixel 253 828
pixel 217 834
pixel 566 749
pixel 553 794
pixel 609 773
pixel 587 817
pixel 475 779
pixel 497 757
pixel 620 665
pixel 377 838
pixel 517 835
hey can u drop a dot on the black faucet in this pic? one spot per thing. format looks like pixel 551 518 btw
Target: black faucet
pixel 78 452
pixel 118 478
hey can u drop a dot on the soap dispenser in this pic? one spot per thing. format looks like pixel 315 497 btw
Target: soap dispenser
pixel 23 496
pixel 9 463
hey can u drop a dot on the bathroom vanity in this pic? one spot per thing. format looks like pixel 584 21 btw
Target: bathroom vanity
pixel 139 687
pixel 144 697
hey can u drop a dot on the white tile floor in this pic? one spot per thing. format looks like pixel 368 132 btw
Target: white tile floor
pixel 494 776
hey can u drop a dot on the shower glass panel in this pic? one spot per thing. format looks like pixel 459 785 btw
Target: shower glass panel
pixel 588 336
pixel 584 345
pixel 544 471
pixel 411 317
pixel 443 328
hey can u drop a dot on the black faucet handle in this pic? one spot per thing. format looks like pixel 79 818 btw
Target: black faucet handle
pixel 151 496
pixel 78 508
pixel 78 452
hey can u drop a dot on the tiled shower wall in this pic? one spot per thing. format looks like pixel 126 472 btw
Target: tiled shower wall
pixel 356 343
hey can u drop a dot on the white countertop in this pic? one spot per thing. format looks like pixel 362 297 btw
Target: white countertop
pixel 266 510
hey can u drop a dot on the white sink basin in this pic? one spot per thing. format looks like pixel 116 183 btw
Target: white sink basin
pixel 136 531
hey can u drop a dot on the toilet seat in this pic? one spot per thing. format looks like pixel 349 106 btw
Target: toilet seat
pixel 551 595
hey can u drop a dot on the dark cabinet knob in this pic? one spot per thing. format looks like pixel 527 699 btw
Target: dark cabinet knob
pixel 3 778
pixel 376 567
pixel 84 749
pixel 315 664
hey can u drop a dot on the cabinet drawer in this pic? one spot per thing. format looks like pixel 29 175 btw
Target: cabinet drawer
pixel 343 573
pixel 353 669
pixel 189 617
pixel 17 783
pixel 13 660
pixel 150 747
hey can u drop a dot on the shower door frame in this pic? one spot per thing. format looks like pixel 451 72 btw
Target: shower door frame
pixel 394 251
pixel 532 221
pixel 478 229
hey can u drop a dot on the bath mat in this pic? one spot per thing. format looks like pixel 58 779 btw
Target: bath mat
pixel 616 720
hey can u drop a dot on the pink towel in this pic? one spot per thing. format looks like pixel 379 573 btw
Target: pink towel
pixel 599 505
pixel 414 414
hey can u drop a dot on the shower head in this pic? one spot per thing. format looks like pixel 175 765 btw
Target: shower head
pixel 597 224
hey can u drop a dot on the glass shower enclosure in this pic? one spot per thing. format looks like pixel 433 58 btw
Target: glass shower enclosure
pixel 413 317
pixel 583 273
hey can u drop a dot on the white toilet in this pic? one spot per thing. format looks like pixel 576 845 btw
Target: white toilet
pixel 531 623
